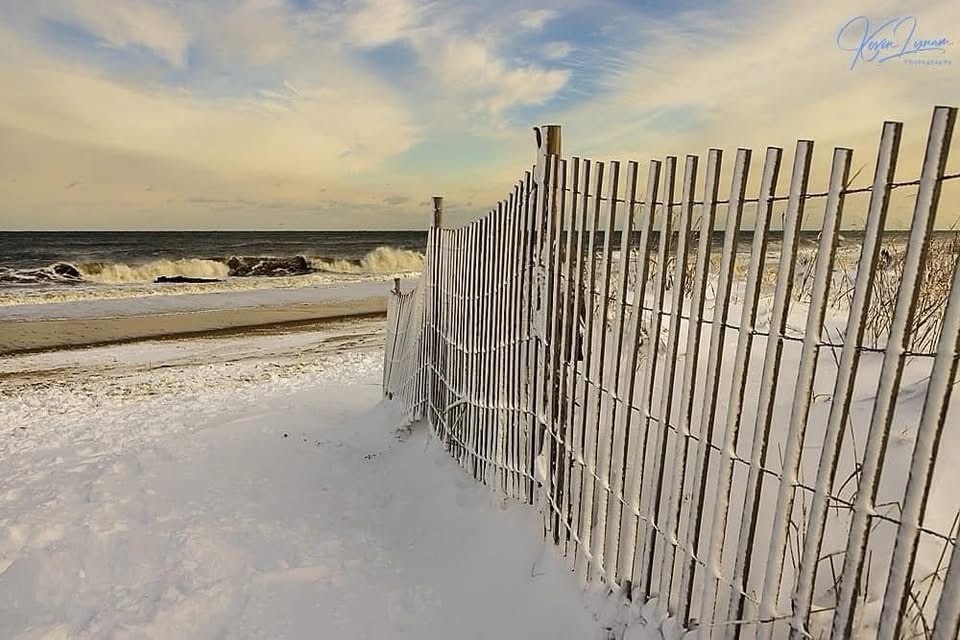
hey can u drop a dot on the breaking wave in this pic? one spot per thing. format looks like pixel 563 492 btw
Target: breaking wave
pixel 380 261
pixel 119 273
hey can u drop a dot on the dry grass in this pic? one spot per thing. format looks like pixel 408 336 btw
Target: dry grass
pixel 932 297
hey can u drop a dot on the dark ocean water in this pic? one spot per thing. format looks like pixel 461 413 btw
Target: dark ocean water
pixel 31 249
pixel 44 258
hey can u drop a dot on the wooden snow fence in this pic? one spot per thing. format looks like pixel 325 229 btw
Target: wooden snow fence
pixel 703 426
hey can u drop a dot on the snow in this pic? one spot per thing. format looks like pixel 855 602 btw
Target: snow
pixel 252 487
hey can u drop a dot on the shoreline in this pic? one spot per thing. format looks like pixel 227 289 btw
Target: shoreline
pixel 31 336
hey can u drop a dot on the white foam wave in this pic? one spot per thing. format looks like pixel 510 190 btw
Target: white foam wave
pixel 119 273
pixel 382 260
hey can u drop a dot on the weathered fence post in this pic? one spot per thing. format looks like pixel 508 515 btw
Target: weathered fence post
pixel 437 212
pixel 430 346
pixel 390 343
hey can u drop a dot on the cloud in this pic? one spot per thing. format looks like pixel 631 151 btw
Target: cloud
pixel 381 22
pixel 556 50
pixel 535 20
pixel 128 23
pixel 467 71
pixel 256 33
pixel 471 66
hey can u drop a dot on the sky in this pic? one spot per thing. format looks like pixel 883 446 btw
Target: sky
pixel 351 114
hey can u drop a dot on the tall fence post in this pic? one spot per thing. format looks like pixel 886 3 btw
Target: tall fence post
pixel 437 212
pixel 431 339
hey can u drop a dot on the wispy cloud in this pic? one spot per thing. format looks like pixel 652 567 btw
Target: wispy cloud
pixel 535 19
pixel 126 24
pixel 556 50
pixel 380 22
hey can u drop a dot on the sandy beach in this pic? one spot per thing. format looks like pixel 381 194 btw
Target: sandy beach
pixel 40 327
pixel 37 335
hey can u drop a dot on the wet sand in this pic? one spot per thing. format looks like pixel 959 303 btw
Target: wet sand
pixel 20 336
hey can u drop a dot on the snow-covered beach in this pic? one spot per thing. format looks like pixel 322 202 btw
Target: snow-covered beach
pixel 249 486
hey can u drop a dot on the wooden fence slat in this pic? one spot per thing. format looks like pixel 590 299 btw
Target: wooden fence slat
pixel 479 313
pixel 499 347
pixel 467 378
pixel 448 342
pixel 451 340
pixel 460 421
pixel 497 350
pixel 437 318
pixel 438 321
pixel 486 436
pixel 485 308
pixel 516 335
pixel 468 293
pixel 530 379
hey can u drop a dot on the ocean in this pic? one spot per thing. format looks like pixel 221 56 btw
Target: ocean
pixel 114 257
